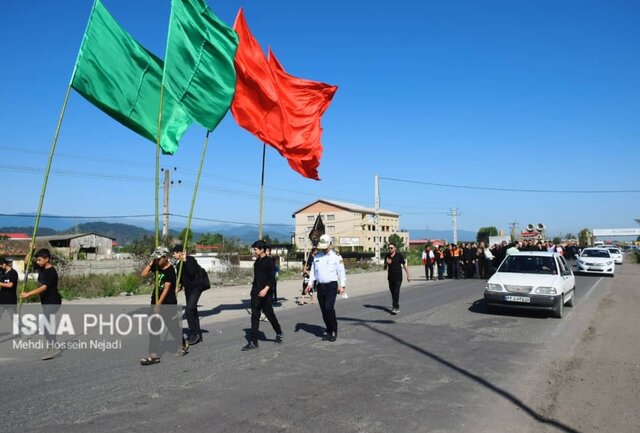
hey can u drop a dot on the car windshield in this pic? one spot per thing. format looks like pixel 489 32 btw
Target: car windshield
pixel 602 253
pixel 529 265
pixel 614 251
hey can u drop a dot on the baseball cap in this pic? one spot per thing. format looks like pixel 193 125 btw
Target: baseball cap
pixel 160 252
pixel 324 242
pixel 177 248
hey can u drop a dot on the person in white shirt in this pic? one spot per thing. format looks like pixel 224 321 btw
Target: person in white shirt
pixel 327 269
pixel 428 260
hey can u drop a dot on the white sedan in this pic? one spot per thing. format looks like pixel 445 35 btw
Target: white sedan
pixel 616 254
pixel 596 261
pixel 532 280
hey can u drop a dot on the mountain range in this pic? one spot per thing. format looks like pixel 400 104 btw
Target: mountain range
pixel 125 233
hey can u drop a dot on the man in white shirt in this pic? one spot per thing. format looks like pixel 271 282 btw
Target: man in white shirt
pixel 327 269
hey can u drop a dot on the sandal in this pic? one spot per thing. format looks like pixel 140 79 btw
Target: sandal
pixel 184 350
pixel 149 360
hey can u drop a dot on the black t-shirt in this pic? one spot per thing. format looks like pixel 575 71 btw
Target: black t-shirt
pixel 394 270
pixel 264 274
pixel 167 275
pixel 8 295
pixel 49 278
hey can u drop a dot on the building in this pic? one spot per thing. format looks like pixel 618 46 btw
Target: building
pixel 93 245
pixel 16 250
pixel 352 227
pixel 14 236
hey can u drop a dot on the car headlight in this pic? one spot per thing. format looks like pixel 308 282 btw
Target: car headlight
pixel 494 288
pixel 609 263
pixel 546 290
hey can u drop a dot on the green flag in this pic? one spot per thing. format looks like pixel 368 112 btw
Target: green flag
pixel 122 78
pixel 199 70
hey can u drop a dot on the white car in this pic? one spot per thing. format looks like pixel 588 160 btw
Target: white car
pixel 615 253
pixel 532 280
pixel 596 261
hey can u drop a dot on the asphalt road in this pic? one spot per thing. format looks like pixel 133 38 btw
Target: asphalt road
pixel 442 365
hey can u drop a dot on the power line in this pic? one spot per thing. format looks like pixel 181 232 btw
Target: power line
pixel 486 188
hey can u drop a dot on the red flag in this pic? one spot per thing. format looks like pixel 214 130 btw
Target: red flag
pixel 303 103
pixel 280 109
pixel 255 105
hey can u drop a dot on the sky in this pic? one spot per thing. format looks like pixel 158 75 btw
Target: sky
pixel 521 95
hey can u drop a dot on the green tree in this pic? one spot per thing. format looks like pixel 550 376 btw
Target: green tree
pixel 584 237
pixel 211 239
pixel 485 232
pixel 570 236
pixel 141 248
pixel 556 240
pixel 397 241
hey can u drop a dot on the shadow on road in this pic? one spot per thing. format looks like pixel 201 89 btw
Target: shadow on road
pixel 480 307
pixel 244 305
pixel 316 330
pixel 378 307
pixel 480 380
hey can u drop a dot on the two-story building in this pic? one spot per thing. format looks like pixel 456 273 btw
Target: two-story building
pixel 352 227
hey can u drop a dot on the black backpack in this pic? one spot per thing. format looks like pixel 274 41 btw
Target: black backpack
pixel 204 279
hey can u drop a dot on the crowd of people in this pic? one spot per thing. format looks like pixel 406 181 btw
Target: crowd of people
pixel 477 260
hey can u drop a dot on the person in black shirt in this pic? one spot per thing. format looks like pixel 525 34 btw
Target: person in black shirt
pixel 393 263
pixel 190 280
pixel 49 295
pixel 261 294
pixel 8 286
pixel 166 295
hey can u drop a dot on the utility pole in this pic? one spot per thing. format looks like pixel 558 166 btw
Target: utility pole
pixel 377 219
pixel 165 206
pixel 514 231
pixel 454 213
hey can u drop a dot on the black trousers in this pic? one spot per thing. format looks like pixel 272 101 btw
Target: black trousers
pixel 191 310
pixel 172 338
pixel 469 269
pixel 259 305
pixel 428 271
pixel 394 288
pixel 455 268
pixel 440 270
pixel 327 299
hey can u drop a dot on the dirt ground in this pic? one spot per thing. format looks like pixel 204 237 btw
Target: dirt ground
pixel 598 389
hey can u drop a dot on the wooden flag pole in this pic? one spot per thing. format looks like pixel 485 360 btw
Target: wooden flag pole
pixel 47 171
pixel 193 204
pixel 264 156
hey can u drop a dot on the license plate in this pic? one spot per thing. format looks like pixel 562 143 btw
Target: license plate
pixel 517 299
pixel 595 269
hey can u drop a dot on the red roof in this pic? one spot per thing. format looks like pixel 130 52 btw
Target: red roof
pixel 16 235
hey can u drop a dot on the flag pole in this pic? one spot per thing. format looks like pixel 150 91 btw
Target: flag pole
pixel 193 204
pixel 157 187
pixel 264 156
pixel 43 192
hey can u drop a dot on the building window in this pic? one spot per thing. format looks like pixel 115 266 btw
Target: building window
pixel 311 218
pixel 331 217
pixel 331 229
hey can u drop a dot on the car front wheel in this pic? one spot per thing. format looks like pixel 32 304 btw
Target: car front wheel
pixel 558 309
pixel 570 302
